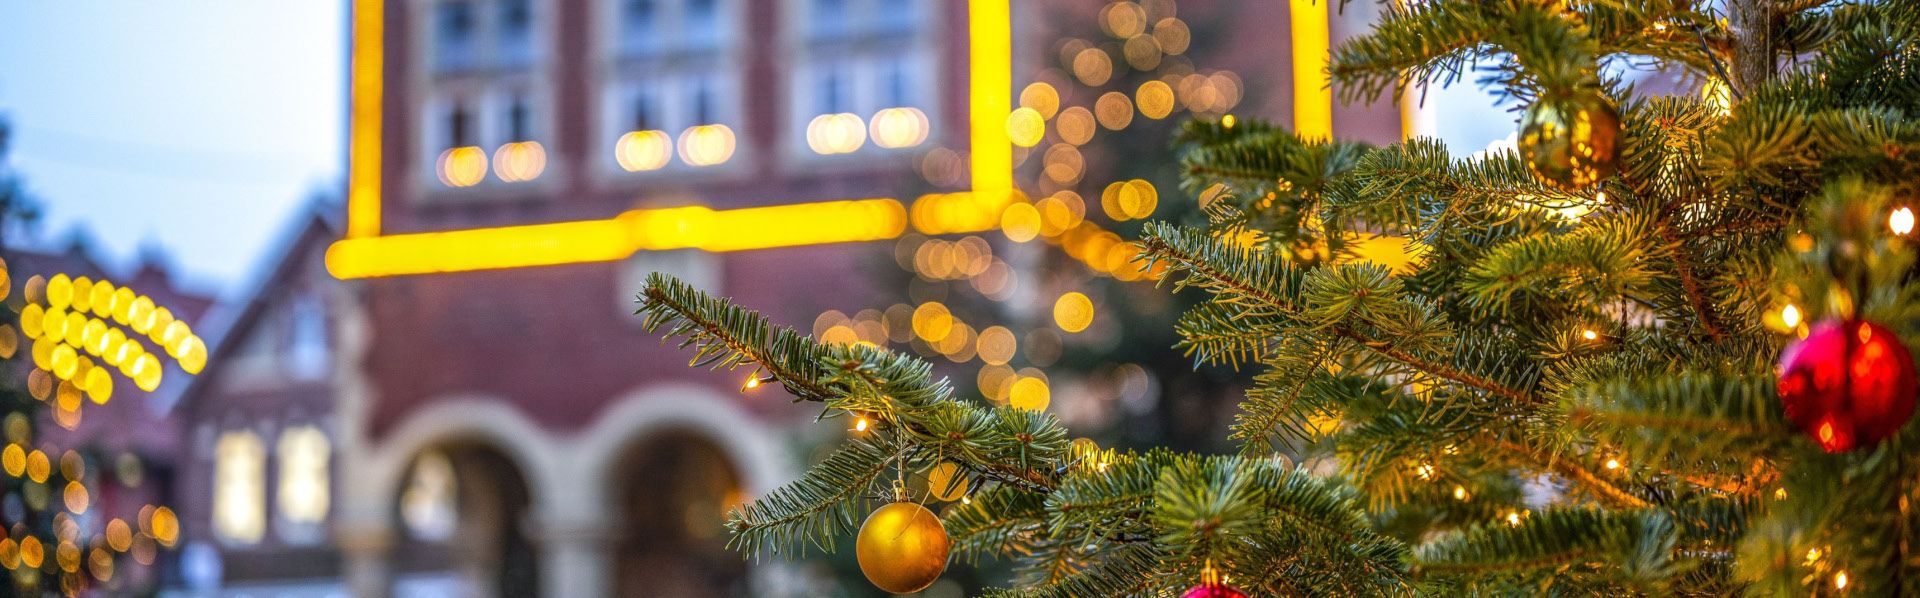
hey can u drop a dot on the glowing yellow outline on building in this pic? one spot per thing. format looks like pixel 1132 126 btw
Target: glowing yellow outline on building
pixel 367 253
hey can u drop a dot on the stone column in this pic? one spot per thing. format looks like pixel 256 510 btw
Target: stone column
pixel 575 556
pixel 366 554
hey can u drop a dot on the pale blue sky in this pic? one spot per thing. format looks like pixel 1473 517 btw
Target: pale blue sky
pixel 199 125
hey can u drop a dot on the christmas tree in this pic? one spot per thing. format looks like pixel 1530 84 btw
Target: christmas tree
pixel 1660 349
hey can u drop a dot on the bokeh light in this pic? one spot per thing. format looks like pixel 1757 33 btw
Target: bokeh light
pixel 1093 67
pixel 1073 312
pixel 706 145
pixel 519 161
pixel 1075 125
pixel 1025 127
pixel 900 127
pixel 1155 99
pixel 1114 110
pixel 643 150
pixel 1041 97
pixel 457 167
pixel 1020 222
pixel 836 133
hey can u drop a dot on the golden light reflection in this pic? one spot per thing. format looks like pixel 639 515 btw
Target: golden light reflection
pixel 1021 222
pixel 1129 200
pixel 996 345
pixel 1075 125
pixel 1173 35
pixel 841 133
pixel 994 381
pixel 706 145
pixel 932 322
pixel 1073 312
pixel 1041 96
pixel 1155 99
pixel 947 481
pixel 458 167
pixel 1025 127
pixel 1060 212
pixel 1093 67
pixel 519 161
pixel 639 151
pixel 1114 110
pixel 901 127
pixel 1031 394
pixel 1123 19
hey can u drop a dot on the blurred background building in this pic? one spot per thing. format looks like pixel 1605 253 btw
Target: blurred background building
pixel 367 426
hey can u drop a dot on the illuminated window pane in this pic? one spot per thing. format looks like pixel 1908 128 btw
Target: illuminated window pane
pixel 427 504
pixel 239 488
pixel 303 452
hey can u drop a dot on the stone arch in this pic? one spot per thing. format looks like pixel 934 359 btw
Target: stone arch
pixel 669 449
pixel 479 419
pixel 752 447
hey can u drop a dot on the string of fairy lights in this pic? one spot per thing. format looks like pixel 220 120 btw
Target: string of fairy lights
pixel 87 337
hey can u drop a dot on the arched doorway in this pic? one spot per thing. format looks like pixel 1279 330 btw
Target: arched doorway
pixel 461 511
pixel 673 491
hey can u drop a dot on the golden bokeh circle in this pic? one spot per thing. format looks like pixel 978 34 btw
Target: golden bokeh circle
pixel 1073 311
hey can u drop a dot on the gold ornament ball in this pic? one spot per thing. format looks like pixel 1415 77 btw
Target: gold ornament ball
pixel 1569 141
pixel 902 548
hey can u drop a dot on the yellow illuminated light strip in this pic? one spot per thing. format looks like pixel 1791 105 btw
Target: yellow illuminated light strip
pixel 691 227
pixel 990 85
pixel 1312 97
pixel 363 158
pixel 366 253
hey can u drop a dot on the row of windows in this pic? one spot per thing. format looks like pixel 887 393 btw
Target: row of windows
pixel 471 35
pixel 694 104
pixel 302 496
pixel 499 34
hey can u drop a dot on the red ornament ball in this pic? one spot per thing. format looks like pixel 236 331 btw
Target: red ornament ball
pixel 1848 384
pixel 1213 590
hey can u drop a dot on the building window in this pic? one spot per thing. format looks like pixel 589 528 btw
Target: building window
pixel 303 493
pixel 828 18
pixel 239 488
pixel 672 84
pixel 519 123
pixel 307 341
pixel 653 26
pixel 460 127
pixel 639 26
pixel 427 505
pixel 872 62
pixel 646 111
pixel 516 33
pixel 454 42
pixel 703 23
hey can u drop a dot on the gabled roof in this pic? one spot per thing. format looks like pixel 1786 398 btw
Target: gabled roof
pixel 228 328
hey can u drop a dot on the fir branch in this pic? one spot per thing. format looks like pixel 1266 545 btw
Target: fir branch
pixel 1267 285
pixel 823 503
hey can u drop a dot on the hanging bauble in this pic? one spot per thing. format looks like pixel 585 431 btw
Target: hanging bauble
pixel 902 548
pixel 1213 590
pixel 1568 140
pixel 1848 384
